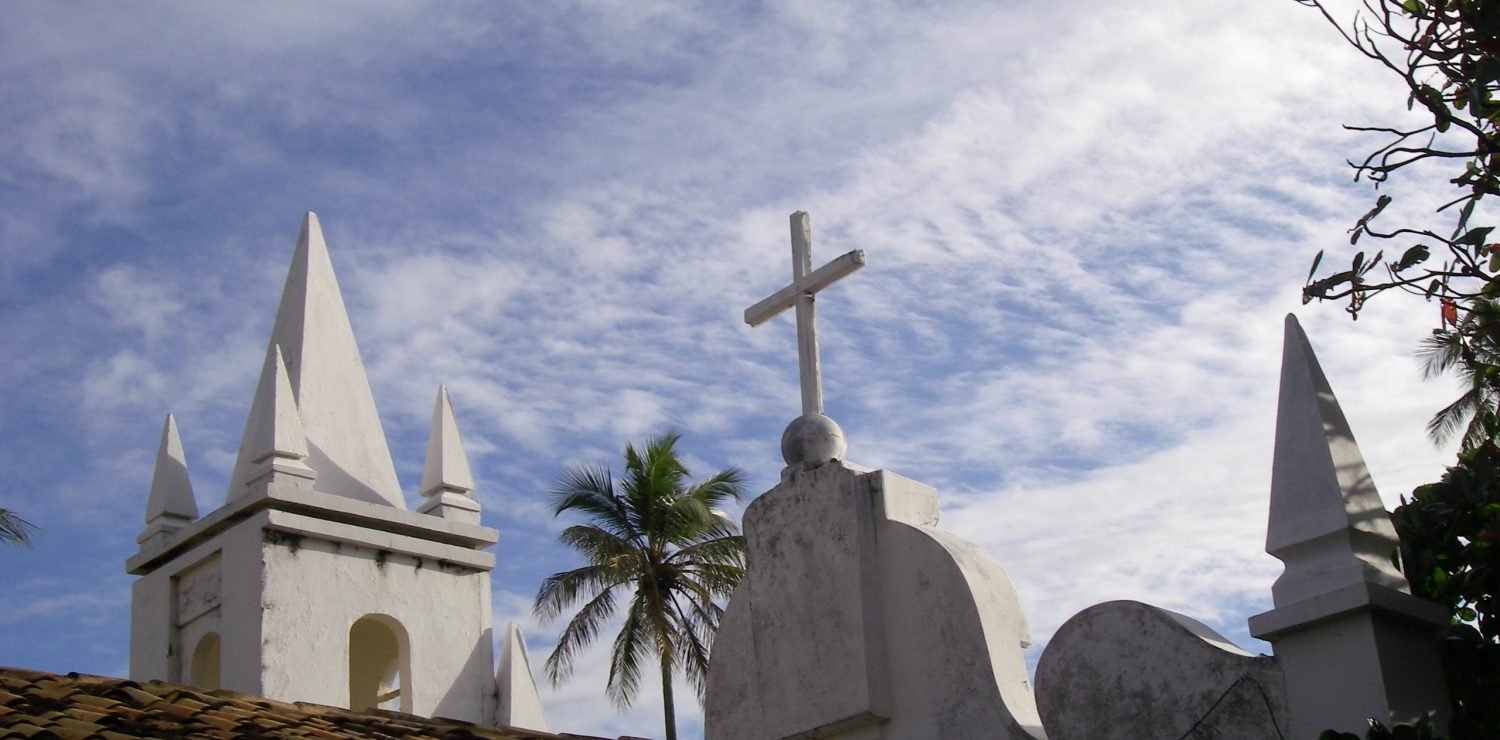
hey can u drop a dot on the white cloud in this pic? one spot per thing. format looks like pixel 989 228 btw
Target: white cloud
pixel 1083 221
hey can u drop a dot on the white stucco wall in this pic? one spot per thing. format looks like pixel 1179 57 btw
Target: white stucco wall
pixel 858 619
pixel 315 590
pixel 212 586
pixel 282 578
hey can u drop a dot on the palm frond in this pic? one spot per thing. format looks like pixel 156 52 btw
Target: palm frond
pixel 1483 425
pixel 1441 352
pixel 1469 351
pixel 696 624
pixel 715 490
pixel 631 647
pixel 598 545
pixel 580 632
pixel 561 590
pixel 727 550
pixel 718 581
pixel 1448 420
pixel 685 520
pixel 590 490
pixel 15 529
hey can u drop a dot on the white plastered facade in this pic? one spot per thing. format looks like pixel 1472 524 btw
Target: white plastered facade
pixel 283 585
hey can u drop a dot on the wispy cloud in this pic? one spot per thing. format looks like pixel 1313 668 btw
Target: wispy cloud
pixel 1084 222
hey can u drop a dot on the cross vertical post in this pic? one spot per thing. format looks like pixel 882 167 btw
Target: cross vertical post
pixel 808 369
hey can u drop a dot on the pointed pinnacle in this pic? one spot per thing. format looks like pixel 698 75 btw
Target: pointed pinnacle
pixel 171 490
pixel 520 705
pixel 274 428
pixel 1327 522
pixel 446 467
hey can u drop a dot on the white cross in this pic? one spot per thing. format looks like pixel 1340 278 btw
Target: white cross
pixel 805 283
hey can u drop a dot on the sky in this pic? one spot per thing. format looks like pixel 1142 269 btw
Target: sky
pixel 1084 222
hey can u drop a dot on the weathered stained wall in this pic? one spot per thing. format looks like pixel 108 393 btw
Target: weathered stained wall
pixel 858 619
pixel 282 575
pixel 176 603
pixel 314 590
pixel 1123 670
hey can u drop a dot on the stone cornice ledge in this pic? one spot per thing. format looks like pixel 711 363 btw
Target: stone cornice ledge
pixel 321 506
pixel 1354 598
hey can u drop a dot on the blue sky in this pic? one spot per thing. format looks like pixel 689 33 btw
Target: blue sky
pixel 1083 223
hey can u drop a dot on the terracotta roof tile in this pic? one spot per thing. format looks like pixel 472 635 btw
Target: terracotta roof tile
pixel 42 705
pixel 92 716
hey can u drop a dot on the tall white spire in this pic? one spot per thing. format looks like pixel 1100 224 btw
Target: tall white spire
pixel 446 479
pixel 1327 523
pixel 171 504
pixel 346 444
pixel 520 705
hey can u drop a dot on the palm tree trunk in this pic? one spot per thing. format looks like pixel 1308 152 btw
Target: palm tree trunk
pixel 666 696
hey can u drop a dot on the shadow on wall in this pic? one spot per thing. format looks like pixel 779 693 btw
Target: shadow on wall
pixel 460 694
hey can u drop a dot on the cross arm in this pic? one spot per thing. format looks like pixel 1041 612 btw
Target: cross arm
pixel 819 279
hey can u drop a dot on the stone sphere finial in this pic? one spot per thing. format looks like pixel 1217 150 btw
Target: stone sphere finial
pixel 811 440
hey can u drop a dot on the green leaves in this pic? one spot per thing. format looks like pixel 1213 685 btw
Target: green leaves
pixel 1447 530
pixel 1412 257
pixel 1363 224
pixel 1474 237
pixel 1321 288
pixel 1434 101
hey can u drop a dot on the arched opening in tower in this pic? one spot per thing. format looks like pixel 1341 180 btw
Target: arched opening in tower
pixel 204 672
pixel 379 664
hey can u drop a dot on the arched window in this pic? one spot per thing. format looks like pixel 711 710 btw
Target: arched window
pixel 205 668
pixel 379 664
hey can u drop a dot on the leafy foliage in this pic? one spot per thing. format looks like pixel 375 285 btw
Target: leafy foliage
pixel 1422 730
pixel 1447 52
pixel 1450 551
pixel 14 529
pixel 662 545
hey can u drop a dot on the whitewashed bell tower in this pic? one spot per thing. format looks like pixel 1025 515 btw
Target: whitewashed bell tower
pixel 313 582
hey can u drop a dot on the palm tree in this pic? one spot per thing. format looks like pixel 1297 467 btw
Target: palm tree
pixel 14 529
pixel 662 543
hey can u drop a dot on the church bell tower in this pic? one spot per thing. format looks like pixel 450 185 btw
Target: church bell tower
pixel 313 582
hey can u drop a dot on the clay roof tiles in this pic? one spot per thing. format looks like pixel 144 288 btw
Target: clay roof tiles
pixel 36 704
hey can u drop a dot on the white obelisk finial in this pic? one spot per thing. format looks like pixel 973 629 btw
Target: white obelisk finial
pixel 170 505
pixel 446 480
